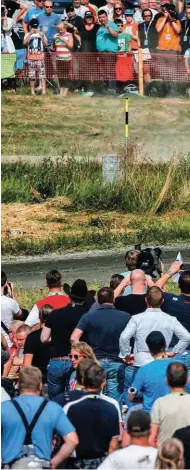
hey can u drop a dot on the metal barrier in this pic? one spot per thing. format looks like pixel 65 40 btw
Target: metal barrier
pixel 107 66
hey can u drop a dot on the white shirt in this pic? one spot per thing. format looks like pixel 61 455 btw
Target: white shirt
pixel 108 11
pixel 4 395
pixel 9 307
pixel 33 317
pixel 132 457
pixel 138 17
pixel 139 326
pixel 81 11
pixel 8 33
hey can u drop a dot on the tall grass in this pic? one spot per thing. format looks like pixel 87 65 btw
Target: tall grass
pixel 145 188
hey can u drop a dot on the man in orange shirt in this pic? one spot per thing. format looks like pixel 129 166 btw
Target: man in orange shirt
pixel 131 28
pixel 169 29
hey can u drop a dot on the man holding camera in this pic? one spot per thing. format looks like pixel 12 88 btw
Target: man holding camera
pixel 9 306
pixel 169 29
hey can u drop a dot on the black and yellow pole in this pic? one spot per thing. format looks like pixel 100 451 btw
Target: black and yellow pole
pixel 126 119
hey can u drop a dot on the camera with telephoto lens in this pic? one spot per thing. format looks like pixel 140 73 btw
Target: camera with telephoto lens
pixel 149 260
pixel 171 10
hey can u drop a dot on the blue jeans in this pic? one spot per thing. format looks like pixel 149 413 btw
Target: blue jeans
pixel 115 378
pixel 130 372
pixel 58 376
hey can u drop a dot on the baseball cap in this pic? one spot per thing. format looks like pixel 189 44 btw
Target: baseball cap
pixel 79 290
pixel 138 422
pixel 88 14
pixel 129 12
pixel 34 23
pixel 69 8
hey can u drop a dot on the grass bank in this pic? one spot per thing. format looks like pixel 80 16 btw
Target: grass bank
pixel 92 126
pixel 62 205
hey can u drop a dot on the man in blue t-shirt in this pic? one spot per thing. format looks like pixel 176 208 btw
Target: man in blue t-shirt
pixel 150 379
pixel 50 420
pixel 106 38
pixel 103 328
pixel 33 13
pixel 48 22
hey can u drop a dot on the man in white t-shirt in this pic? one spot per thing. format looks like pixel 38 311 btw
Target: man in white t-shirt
pixel 80 10
pixel 109 8
pixel 9 307
pixel 138 453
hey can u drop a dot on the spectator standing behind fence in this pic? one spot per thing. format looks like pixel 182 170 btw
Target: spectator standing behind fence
pixel 131 28
pixel 106 38
pixel 7 44
pixel 123 37
pixel 169 29
pixel 62 45
pixel 148 36
pixel 138 18
pixel 48 22
pixel 185 31
pixel 187 60
pixel 92 8
pixel 148 41
pixel 118 12
pixel 35 41
pixel 33 13
pixel 109 8
pixel 80 10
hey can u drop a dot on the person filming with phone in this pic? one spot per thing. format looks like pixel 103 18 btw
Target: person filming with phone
pixel 7 45
pixel 9 307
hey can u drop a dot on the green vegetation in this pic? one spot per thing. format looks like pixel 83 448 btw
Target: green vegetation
pixel 145 189
pixel 27 297
pixel 92 126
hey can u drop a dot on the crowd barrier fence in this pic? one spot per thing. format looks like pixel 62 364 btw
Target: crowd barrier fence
pixel 92 67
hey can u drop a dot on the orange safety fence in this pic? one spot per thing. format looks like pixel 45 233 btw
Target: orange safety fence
pixel 87 66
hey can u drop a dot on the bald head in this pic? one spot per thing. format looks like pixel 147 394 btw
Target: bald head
pixel 138 281
pixel 137 276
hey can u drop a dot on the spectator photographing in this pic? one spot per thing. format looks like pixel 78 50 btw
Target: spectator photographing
pixel 35 41
pixel 169 29
pixel 9 306
pixel 7 44
pixel 62 45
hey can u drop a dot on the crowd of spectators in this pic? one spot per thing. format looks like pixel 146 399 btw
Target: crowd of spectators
pixel 47 39
pixel 98 382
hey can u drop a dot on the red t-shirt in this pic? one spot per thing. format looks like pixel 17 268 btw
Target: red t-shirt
pixel 56 300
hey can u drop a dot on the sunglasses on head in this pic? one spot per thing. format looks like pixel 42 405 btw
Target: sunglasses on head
pixel 75 356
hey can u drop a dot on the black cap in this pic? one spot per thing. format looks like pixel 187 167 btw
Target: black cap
pixel 34 23
pixel 88 14
pixel 79 290
pixel 69 8
pixel 138 422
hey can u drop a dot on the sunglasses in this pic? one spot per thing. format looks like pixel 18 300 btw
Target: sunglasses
pixel 75 356
pixel 147 16
pixel 115 9
pixel 48 7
